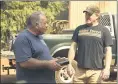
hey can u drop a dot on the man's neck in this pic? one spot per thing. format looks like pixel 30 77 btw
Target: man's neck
pixel 93 24
pixel 33 31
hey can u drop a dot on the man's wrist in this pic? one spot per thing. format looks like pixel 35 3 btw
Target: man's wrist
pixel 108 68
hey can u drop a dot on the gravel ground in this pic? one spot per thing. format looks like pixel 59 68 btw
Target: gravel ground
pixel 12 77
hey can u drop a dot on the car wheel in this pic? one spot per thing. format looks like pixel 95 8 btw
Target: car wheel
pixel 62 76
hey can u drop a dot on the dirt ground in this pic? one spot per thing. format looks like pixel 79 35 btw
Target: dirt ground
pixel 11 78
pixel 4 77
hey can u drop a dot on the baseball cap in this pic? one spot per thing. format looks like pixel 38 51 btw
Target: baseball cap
pixel 92 9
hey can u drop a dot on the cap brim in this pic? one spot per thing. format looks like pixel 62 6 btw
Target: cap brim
pixel 86 11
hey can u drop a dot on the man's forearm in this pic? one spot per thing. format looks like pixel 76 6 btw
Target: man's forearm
pixel 34 64
pixel 108 57
pixel 72 51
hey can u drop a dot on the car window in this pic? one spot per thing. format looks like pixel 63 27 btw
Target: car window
pixel 107 21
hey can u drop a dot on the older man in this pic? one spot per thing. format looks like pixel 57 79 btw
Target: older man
pixel 33 61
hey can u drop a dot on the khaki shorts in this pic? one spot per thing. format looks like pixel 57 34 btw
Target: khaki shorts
pixel 86 76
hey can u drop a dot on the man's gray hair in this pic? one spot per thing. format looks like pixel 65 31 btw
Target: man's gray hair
pixel 34 19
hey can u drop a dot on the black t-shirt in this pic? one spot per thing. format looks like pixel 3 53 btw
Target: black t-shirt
pixel 91 41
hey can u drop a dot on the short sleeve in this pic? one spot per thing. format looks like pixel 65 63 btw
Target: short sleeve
pixel 107 38
pixel 22 49
pixel 75 35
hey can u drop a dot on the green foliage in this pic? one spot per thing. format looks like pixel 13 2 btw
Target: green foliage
pixel 14 14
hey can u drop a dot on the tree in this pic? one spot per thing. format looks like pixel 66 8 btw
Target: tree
pixel 14 14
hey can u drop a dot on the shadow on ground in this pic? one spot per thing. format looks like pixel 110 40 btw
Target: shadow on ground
pixel 8 78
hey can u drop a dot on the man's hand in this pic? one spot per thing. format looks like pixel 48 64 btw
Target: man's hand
pixel 108 58
pixel 54 65
pixel 70 70
pixel 105 74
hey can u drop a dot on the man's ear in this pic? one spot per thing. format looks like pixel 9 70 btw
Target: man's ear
pixel 37 25
pixel 98 16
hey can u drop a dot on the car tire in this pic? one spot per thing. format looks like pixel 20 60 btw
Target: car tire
pixel 61 76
